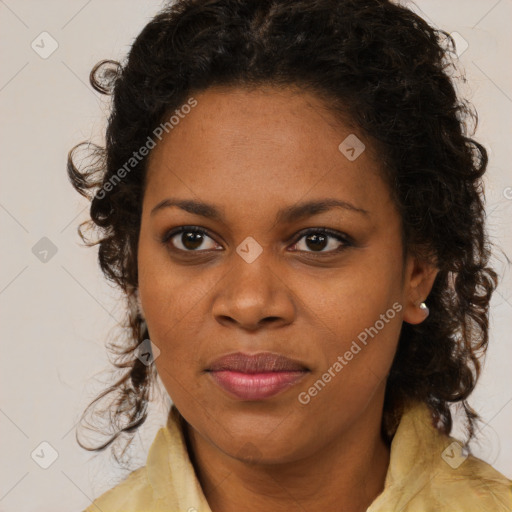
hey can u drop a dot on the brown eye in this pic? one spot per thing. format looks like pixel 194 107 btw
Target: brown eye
pixel 322 241
pixel 189 239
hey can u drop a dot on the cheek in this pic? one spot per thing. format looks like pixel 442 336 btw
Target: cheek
pixel 171 294
pixel 359 317
pixel 172 306
pixel 357 356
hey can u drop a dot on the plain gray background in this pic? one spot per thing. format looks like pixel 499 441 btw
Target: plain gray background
pixel 57 314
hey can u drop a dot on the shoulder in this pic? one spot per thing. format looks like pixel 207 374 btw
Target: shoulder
pixel 474 486
pixel 464 482
pixel 166 482
pixel 430 471
pixel 134 493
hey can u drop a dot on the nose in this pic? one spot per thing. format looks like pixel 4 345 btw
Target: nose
pixel 253 295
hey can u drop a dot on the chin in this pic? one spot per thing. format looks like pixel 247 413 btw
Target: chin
pixel 265 447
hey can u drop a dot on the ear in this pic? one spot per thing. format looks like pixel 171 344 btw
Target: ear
pixel 418 281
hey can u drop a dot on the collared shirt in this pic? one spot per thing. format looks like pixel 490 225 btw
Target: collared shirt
pixel 427 472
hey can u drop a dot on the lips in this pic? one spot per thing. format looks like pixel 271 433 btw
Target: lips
pixel 256 377
pixel 256 363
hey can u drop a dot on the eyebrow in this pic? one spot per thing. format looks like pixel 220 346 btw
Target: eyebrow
pixel 285 215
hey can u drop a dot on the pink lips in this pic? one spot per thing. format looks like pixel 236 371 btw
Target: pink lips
pixel 256 377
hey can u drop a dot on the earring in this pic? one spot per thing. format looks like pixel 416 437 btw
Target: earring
pixel 424 308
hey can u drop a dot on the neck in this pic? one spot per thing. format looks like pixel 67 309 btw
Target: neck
pixel 350 471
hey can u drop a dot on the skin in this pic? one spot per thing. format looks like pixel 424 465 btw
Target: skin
pixel 251 153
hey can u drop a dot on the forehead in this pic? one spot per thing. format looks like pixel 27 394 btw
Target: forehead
pixel 261 147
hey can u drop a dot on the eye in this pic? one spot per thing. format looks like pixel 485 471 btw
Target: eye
pixel 188 239
pixel 319 239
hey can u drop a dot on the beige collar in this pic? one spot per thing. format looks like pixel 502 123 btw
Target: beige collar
pixel 421 475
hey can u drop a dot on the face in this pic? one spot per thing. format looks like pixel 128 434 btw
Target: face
pixel 323 286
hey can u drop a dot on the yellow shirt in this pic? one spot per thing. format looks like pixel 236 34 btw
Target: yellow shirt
pixel 427 472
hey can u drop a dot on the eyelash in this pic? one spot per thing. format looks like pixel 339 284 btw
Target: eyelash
pixel 303 233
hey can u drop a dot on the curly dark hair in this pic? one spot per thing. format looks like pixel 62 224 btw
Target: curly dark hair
pixel 378 66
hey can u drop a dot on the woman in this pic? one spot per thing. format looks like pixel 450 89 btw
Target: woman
pixel 289 200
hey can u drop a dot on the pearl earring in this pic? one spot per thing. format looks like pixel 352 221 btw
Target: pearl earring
pixel 424 308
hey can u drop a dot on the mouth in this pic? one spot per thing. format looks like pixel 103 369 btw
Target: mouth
pixel 256 377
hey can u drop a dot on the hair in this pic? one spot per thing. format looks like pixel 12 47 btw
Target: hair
pixel 378 65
